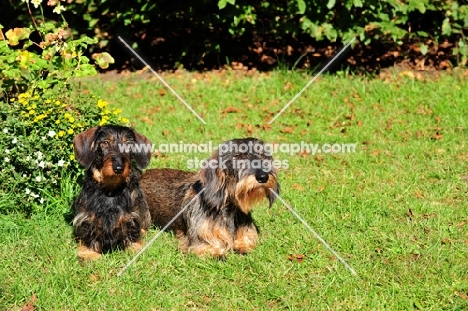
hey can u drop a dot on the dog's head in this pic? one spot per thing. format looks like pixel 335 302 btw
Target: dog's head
pixel 109 151
pixel 240 171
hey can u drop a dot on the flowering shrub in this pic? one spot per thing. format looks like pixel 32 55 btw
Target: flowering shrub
pixel 36 143
pixel 40 112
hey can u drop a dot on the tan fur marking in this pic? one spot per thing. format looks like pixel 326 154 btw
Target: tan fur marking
pixel 136 246
pixel 183 241
pixel 97 176
pixel 216 240
pixel 87 254
pixel 249 192
pixel 245 239
pixel 108 177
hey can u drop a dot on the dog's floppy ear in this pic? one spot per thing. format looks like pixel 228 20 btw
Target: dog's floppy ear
pixel 213 180
pixel 142 155
pixel 83 144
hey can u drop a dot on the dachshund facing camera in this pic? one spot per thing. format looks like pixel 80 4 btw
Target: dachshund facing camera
pixel 110 212
pixel 218 199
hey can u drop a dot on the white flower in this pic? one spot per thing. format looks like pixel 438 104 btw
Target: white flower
pixel 41 164
pixel 59 9
pixel 51 133
pixel 34 195
pixel 44 138
pixel 7 159
pixel 38 178
pixel 41 200
pixel 7 151
pixel 15 140
pixel 5 130
pixel 61 163
pixel 24 175
pixel 28 191
pixel 28 158
pixel 39 155
pixel 36 3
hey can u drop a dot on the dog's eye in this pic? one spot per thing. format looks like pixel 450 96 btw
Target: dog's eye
pixel 104 144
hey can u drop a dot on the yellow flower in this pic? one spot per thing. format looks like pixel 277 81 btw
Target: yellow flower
pixel 57 121
pixel 24 58
pixel 72 157
pixel 34 106
pixel 124 120
pixel 23 95
pixel 117 111
pixel 12 100
pixel 103 121
pixel 36 97
pixel 67 115
pixel 61 133
pixel 31 111
pixel 57 102
pixel 101 104
pixel 70 131
pixel 48 101
pixel 71 119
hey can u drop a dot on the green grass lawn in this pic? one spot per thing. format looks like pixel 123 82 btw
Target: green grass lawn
pixel 395 210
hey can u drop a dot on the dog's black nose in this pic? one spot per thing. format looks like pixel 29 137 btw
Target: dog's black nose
pixel 261 177
pixel 118 168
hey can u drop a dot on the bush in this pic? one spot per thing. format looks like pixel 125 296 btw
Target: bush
pixel 36 143
pixel 191 32
pixel 40 113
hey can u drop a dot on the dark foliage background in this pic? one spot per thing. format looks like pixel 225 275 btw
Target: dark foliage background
pixel 209 34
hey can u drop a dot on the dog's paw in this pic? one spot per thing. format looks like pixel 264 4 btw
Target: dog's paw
pixel 136 246
pixel 87 254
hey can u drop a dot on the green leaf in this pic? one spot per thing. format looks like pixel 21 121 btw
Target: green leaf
pixel 17 34
pixel 331 3
pixel 446 28
pixel 103 59
pixel 422 34
pixel 222 3
pixel 301 5
pixel 85 70
pixel 421 7
pixel 424 49
pixel 357 3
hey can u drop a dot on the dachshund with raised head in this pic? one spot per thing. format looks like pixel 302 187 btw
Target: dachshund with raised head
pixel 217 200
pixel 110 212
